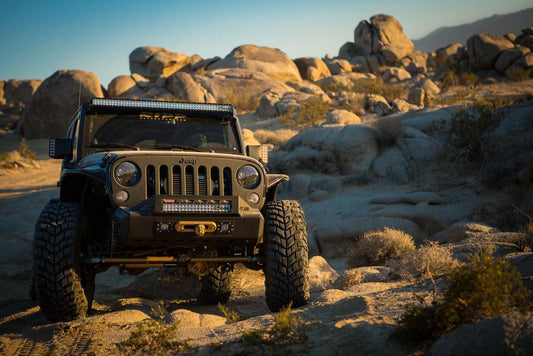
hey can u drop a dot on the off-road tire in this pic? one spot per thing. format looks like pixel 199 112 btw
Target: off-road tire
pixel 57 268
pixel 286 255
pixel 216 286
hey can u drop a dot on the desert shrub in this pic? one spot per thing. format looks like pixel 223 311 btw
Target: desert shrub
pixel 483 288
pixel 25 150
pixel 350 277
pixel 517 74
pixel 8 160
pixel 276 137
pixel 428 260
pixel 468 79
pixel 389 130
pixel 450 79
pixel 376 247
pixel 354 104
pixel 377 86
pixel 152 338
pixel 230 314
pixel 310 114
pixel 336 86
pixel 466 135
pixel 242 102
pixel 453 78
pixel 287 329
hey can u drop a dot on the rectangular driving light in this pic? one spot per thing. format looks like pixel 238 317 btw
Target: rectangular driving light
pixel 224 208
pixel 165 105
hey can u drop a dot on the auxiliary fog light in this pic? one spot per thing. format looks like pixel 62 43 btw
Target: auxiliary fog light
pixel 121 196
pixel 253 198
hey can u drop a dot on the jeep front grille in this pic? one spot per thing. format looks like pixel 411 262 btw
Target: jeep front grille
pixel 188 180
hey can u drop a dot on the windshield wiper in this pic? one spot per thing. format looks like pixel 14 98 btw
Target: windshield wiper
pixel 172 146
pixel 114 145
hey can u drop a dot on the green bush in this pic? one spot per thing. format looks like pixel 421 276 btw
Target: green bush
pixel 483 288
pixel 287 329
pixel 465 137
pixel 230 314
pixel 153 338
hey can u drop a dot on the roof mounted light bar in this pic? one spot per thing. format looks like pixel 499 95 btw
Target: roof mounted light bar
pixel 168 105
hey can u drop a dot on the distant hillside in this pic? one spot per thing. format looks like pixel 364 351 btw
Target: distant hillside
pixel 497 24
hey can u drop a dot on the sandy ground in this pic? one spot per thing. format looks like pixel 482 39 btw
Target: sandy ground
pixel 359 320
pixel 336 321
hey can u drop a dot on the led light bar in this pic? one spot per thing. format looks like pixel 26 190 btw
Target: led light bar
pixel 167 105
pixel 196 208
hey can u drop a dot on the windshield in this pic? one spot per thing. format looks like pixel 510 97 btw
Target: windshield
pixel 158 131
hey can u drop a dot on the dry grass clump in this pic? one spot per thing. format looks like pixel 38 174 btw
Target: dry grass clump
pixel 242 102
pixel 483 288
pixel 517 74
pixel 377 86
pixel 276 137
pixel 311 113
pixel 153 338
pixel 350 277
pixel 389 130
pixel 468 79
pixel 9 160
pixel 376 247
pixel 287 329
pixel 428 260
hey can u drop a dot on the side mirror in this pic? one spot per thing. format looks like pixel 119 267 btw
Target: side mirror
pixel 259 152
pixel 59 147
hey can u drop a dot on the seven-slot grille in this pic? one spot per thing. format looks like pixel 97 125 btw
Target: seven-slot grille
pixel 188 180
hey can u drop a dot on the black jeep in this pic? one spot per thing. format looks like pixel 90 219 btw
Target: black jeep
pixel 149 184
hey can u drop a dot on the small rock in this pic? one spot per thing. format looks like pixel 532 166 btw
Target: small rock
pixel 321 275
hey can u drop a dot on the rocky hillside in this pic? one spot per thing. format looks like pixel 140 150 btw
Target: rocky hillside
pixel 494 25
pixel 408 165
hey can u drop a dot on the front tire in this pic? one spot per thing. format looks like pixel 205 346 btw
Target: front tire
pixel 216 286
pixel 57 263
pixel 286 255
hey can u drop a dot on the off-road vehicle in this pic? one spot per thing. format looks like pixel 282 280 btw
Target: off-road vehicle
pixel 164 184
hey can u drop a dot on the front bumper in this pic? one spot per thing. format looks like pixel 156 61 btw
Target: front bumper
pixel 152 229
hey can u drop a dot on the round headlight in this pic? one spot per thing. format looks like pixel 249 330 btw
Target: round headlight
pixel 127 174
pixel 248 177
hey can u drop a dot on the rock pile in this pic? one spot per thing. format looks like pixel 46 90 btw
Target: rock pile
pixel 380 44
pixel 15 95
pixel 500 54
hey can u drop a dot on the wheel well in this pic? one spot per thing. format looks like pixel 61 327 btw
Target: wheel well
pixel 94 203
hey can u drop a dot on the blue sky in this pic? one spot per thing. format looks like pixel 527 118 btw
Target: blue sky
pixel 41 36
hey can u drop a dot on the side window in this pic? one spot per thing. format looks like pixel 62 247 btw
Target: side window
pixel 75 140
pixel 72 133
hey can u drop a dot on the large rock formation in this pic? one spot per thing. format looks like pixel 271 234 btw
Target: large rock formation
pixel 231 84
pixel 312 68
pixel 20 91
pixel 154 62
pixel 56 100
pixel 185 88
pixel 267 60
pixel 124 86
pixel 484 49
pixel 382 35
